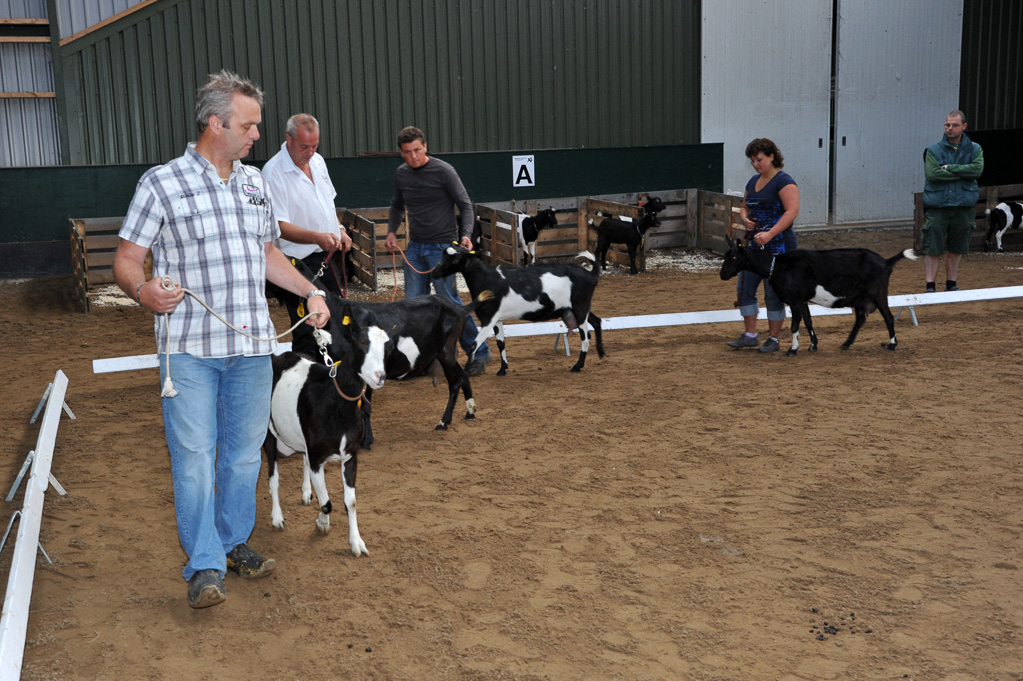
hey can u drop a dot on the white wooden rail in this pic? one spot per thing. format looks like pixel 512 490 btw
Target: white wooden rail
pixel 14 623
pixel 102 366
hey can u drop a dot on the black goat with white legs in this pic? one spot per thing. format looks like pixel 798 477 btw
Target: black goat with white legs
pixel 1006 215
pixel 422 331
pixel 315 410
pixel 616 231
pixel 842 277
pixel 537 293
pixel 529 232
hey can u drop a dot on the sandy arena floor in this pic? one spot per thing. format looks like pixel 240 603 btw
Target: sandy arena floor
pixel 679 510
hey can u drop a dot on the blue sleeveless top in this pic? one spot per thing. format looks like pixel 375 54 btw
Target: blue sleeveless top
pixel 765 208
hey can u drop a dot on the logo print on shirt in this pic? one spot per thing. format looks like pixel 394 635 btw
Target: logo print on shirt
pixel 254 194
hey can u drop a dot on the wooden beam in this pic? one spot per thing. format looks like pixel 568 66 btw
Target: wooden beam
pixel 24 39
pixel 24 22
pixel 109 20
pixel 26 95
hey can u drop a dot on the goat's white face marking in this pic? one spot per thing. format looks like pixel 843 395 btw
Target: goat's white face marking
pixel 451 251
pixel 372 370
pixel 823 297
pixel 408 347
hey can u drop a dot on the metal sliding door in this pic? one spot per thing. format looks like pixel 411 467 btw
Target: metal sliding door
pixel 897 77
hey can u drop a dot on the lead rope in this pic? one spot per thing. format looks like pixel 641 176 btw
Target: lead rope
pixel 394 268
pixel 322 340
pixel 168 284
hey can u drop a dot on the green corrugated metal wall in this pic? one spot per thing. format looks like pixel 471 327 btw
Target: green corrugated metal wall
pixel 476 75
pixel 990 82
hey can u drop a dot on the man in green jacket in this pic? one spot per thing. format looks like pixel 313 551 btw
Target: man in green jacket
pixel 951 168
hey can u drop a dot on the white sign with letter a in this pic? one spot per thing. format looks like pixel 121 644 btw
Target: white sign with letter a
pixel 522 171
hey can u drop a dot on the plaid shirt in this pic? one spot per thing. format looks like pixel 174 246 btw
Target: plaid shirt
pixel 209 236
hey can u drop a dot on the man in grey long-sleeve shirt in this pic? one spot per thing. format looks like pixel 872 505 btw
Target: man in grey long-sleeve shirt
pixel 430 189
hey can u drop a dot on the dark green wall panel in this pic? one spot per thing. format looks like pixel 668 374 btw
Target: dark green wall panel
pixel 476 75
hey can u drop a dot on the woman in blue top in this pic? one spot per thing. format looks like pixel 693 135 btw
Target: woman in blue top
pixel 769 207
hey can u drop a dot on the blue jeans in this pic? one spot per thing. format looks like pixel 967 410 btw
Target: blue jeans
pixel 747 290
pixel 215 428
pixel 425 257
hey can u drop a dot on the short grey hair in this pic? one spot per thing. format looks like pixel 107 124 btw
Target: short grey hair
pixel 214 98
pixel 303 120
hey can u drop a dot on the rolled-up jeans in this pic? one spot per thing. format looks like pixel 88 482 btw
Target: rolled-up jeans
pixel 215 428
pixel 747 286
pixel 425 257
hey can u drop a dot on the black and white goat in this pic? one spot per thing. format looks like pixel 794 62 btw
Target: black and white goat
pixel 1006 215
pixel 537 293
pixel 529 232
pixel 315 410
pixel 617 231
pixel 842 277
pixel 422 331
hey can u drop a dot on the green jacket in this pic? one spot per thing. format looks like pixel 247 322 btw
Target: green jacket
pixel 956 184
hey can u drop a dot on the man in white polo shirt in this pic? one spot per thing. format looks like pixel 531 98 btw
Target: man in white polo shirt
pixel 303 198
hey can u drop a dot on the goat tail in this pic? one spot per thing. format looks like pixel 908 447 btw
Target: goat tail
pixel 587 261
pixel 987 212
pixel 909 254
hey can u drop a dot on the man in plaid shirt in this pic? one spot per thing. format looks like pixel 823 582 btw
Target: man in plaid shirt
pixel 210 225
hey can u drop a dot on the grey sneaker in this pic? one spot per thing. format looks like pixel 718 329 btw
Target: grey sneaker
pixel 953 287
pixel 477 366
pixel 770 345
pixel 744 341
pixel 206 588
pixel 248 564
pixel 930 288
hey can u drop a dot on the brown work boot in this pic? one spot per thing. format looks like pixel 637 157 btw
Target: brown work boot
pixel 206 588
pixel 248 564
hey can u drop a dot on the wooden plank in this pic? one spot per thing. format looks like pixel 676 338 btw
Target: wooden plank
pixel 24 39
pixel 27 95
pixel 19 21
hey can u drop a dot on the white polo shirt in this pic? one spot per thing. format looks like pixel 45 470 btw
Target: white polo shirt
pixel 299 200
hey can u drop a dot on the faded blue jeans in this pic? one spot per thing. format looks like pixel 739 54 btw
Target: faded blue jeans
pixel 425 257
pixel 215 428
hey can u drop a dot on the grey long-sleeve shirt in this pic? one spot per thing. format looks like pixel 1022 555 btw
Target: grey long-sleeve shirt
pixel 430 193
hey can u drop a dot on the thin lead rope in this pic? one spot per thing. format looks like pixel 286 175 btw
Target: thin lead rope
pixel 168 284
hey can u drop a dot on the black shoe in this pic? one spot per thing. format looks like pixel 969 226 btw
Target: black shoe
pixel 248 564
pixel 930 288
pixel 206 588
pixel 477 366
pixel 744 341
pixel 951 286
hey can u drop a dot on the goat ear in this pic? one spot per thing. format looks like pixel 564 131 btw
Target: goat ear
pixel 728 240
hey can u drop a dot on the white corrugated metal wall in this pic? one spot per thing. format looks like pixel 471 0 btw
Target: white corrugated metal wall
pixel 766 73
pixel 78 15
pixel 897 79
pixel 897 76
pixel 28 118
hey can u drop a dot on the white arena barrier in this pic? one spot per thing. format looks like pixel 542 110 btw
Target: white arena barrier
pixel 14 623
pixel 101 366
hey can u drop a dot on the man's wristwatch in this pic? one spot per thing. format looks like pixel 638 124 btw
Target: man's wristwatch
pixel 317 292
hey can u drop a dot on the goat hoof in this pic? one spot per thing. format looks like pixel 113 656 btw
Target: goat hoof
pixel 307 499
pixel 791 353
pixel 576 369
pixel 889 346
pixel 441 426
pixel 844 347
pixel 469 415
pixel 503 371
